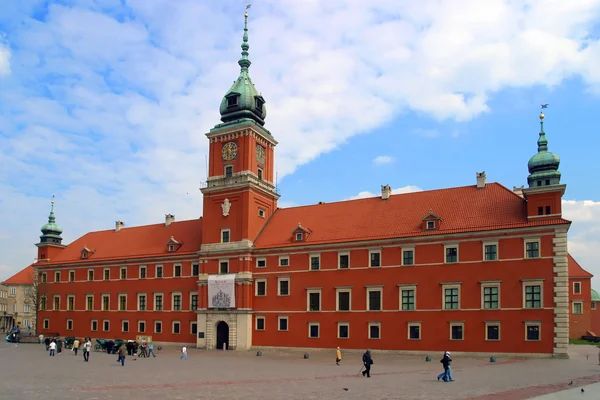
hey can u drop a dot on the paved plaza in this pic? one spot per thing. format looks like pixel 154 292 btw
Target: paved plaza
pixel 27 372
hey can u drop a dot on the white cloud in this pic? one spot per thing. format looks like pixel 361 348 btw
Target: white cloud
pixel 4 59
pixel 109 113
pixel 584 234
pixel 383 160
pixel 401 190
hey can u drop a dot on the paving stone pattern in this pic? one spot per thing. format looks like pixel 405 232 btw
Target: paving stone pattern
pixel 27 372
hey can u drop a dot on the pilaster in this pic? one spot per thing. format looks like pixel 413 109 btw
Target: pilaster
pixel 561 293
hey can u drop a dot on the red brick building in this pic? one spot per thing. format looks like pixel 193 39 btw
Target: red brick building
pixel 478 268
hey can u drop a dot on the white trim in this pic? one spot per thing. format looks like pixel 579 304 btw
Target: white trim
pixel 491 243
pixel 228 231
pixel 121 295
pixel 264 322
pixel 54 305
pixel 192 294
pixel 225 167
pixel 258 260
pixel 339 325
pixel 56 276
pixel 580 304
pixel 161 326
pixel 105 323
pixel 102 308
pixel 70 306
pixel 430 225
pixel 256 284
pixel 173 294
pixel 310 258
pixel 462 325
pixel 593 305
pixel 123 322
pixel 138 301
pixel 378 251
pixel 121 270
pixel 283 279
pixel 46 323
pixel 93 275
pixel 537 240
pixel 451 246
pixel 374 324
pixel 71 323
pixel 407 287
pixel 299 236
pixel 539 283
pixel 87 297
pixel 192 323
pixel 368 302
pixel 318 325
pixel 287 324
pixel 173 327
pixel 406 249
pixel 223 261
pixel 140 269
pixel 262 212
pixel 337 298
pixel 340 254
pixel 260 173
pixel 138 326
pixel 575 284
pixel 284 258
pixel 451 286
pixel 489 285
pixel 488 324
pixel 308 293
pixel 158 267
pixel 180 270
pixel 71 271
pixel 533 324
pixel 411 324
pixel 162 301
pixel 92 325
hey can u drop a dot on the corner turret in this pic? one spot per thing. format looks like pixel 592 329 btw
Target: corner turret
pixel 50 241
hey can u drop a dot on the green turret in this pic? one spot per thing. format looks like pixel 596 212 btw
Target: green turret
pixel 51 231
pixel 543 167
pixel 243 101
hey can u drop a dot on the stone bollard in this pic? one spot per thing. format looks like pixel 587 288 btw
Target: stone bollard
pixel 492 359
pixel 427 359
pixel 224 346
pixel 305 356
pixel 258 353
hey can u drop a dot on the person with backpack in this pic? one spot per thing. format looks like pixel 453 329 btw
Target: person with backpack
pixel 447 374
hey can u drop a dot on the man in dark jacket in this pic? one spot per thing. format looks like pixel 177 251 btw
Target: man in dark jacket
pixel 367 361
pixel 447 374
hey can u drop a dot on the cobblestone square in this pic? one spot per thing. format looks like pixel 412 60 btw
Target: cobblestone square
pixel 27 372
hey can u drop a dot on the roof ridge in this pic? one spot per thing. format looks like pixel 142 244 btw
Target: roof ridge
pixel 142 226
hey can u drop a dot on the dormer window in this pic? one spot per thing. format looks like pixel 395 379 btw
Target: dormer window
pixel 173 245
pixel 299 237
pixel 300 234
pixel 232 100
pixel 259 103
pixel 86 253
pixel 430 224
pixel 431 221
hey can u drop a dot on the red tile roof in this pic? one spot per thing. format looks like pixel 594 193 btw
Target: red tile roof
pixel 575 270
pixel 23 277
pixel 462 209
pixel 147 241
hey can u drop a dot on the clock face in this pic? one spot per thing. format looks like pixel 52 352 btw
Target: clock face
pixel 229 151
pixel 260 154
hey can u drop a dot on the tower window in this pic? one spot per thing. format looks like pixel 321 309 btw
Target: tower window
pixel 232 101
pixel 540 210
pixel 228 171
pixel 547 210
pixel 259 104
pixel 539 183
pixel 547 182
pixel 260 174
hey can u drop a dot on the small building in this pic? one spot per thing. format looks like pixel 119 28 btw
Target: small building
pixel 20 301
pixel 5 314
pixel 595 311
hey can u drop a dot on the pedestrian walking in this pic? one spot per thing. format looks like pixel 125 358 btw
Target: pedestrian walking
pixel 151 350
pixel 446 376
pixel 183 353
pixel 122 354
pixel 47 342
pixel 41 338
pixel 87 347
pixel 75 346
pixel 338 356
pixel 367 362
pixel 52 347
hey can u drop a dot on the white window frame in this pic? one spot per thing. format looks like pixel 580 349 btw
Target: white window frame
pixel 412 324
pixel 283 279
pixel 318 325
pixel 258 260
pixel 310 257
pixel 54 308
pixel 123 322
pixel 378 325
pixel 138 301
pixel 102 304
pixel 492 243
pixel 145 269
pixel 284 258
pixel 260 173
pixel 489 284
pixel 69 297
pixel 340 324
pixel 264 322
pixel 308 292
pixel 406 287
pixel 26 309
pixel 493 323
pixel 121 273
pixel 87 297
pixel 145 326
pixel 46 323
pixel 227 166
pixel 532 240
pixel 430 225
pixel 533 323
pixel 261 212
pixel 403 250
pixel 56 275
pixel 71 271
pixel 161 327
pixel 173 323
pixel 119 301
pixel 451 286
pixel 347 289
pixel 192 294
pixel 104 274
pixel 162 271
pixel 453 324
pixel 92 325
pixel 580 303
pixel 299 236
pixel 368 302
pixel 44 277
pixel 223 261
pixel 376 251
pixel 533 282
pixel 575 284
pixel 228 231
pixel 173 294
pixel 452 246
pixel 93 275
pixel 180 270
pixel 104 322
pixel 171 247
pixel 70 321
pixel 256 282
pixel 162 306
pixel 13 291
pixel 593 305
pixel 340 254
pixel 287 325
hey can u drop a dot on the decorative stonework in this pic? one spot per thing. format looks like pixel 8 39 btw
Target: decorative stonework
pixel 212 320
pixel 226 206
pixel 561 293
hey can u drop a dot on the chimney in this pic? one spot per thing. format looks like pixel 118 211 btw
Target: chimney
pixel 519 190
pixel 480 179
pixel 386 192
pixel 169 219
pixel 119 225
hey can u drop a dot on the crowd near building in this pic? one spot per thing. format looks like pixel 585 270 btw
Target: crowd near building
pixel 477 268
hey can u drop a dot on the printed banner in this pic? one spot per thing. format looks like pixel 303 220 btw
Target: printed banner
pixel 221 291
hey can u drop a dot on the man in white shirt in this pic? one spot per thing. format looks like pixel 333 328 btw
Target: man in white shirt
pixel 87 347
pixel 183 353
pixel 52 348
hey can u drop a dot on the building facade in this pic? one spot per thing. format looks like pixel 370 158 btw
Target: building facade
pixel 4 309
pixel 477 268
pixel 20 301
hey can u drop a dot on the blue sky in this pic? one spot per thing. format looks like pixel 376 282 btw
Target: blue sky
pixel 105 103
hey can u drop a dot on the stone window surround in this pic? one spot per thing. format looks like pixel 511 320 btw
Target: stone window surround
pixel 228 231
pixel 575 286
pixel 162 296
pixel 105 296
pixel 56 276
pixel 488 284
pixel 402 287
pixel 140 330
pixel 121 295
pixel 173 327
pixel 88 274
pixel 411 324
pixel 46 323
pixel 532 240
pixel 340 254
pixel 343 289
pixel 280 318
pixel 445 286
pixel 283 279
pixel 580 303
pixel 138 301
pixel 123 273
pixel 71 275
pixel 261 212
pixel 54 297
pixel 493 323
pixel 405 249
pixel 221 262
pixel 123 322
pixel 256 284
pixel 375 251
pixel 375 288
pixel 92 325
pixel 340 324
pixel 145 269
pixel 70 306
pixel 373 324
pixel 533 323
pixel 161 326
pixel 192 294
pixel 180 270
pixel 311 324
pixel 69 324
pixel 310 258
pixel 264 322
pixel 87 297
pixel 457 323
pixel 105 324
pixel 261 259
pixel 158 267
pixel 533 282
pixel 284 258
pixel 490 243
pixel 105 270
pixel 192 323
pixel 173 294
pixel 308 293
pixel 452 246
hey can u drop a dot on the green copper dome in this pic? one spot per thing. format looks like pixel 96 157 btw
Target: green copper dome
pixel 51 231
pixel 595 296
pixel 543 167
pixel 243 100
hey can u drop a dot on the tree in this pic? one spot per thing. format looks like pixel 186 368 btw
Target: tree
pixel 35 297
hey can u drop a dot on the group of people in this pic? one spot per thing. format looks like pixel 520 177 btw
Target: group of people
pixel 55 345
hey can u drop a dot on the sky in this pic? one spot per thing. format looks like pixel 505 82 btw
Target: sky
pixel 105 104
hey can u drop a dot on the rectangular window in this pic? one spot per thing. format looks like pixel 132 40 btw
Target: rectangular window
pixel 141 326
pixel 26 309
pixel 143 272
pixel 457 331
pixel 158 302
pixel 374 299
pixel 260 174
pixel 90 274
pixel 71 276
pixel 408 299
pixel 71 303
pixel 593 306
pixel 414 331
pixel 195 270
pixel 56 303
pixel 491 252
pixel 284 261
pixel 408 257
pixel 315 263
pixel 157 327
pixel 430 224
pixel 533 296
pixel 57 276
pixel 105 302
pixel 451 254
pixel 576 287
pixel 532 331
pixel 375 258
pixel 228 171
pixel 141 302
pixel 343 299
pixel 491 297
pixel 177 271
pixel 194 328
pixel 123 273
pixel 44 277
pixel 42 303
pixel 176 302
pixel 13 291
pixel 314 300
pixel 46 324
pixel 532 249
pixel 69 324
pixel 94 326
pixel 261 262
pixel 125 326
pixel 344 260
pixel 259 323
pixel 282 323
pixel 106 274
pixel 492 331
pixel 89 303
pixel 159 271
pixel 194 302
pixel 225 235
pixel 122 302
pixel 261 287
pixel 176 327
pixel 224 267
pixel 298 237
pixel 284 287
pixel 106 325
pixel 547 210
pixel 261 212
pixel 451 298
pixel 374 330
pixel 577 307
pixel 343 330
pixel 313 330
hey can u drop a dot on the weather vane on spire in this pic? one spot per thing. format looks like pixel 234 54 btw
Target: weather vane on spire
pixel 248 5
pixel 545 106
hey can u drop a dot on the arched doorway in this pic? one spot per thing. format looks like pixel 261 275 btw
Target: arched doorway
pixel 222 335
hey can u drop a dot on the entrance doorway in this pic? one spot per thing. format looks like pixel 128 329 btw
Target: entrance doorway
pixel 222 335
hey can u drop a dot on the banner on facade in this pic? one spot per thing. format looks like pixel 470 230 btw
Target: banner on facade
pixel 221 291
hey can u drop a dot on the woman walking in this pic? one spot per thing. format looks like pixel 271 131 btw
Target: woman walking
pixel 447 374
